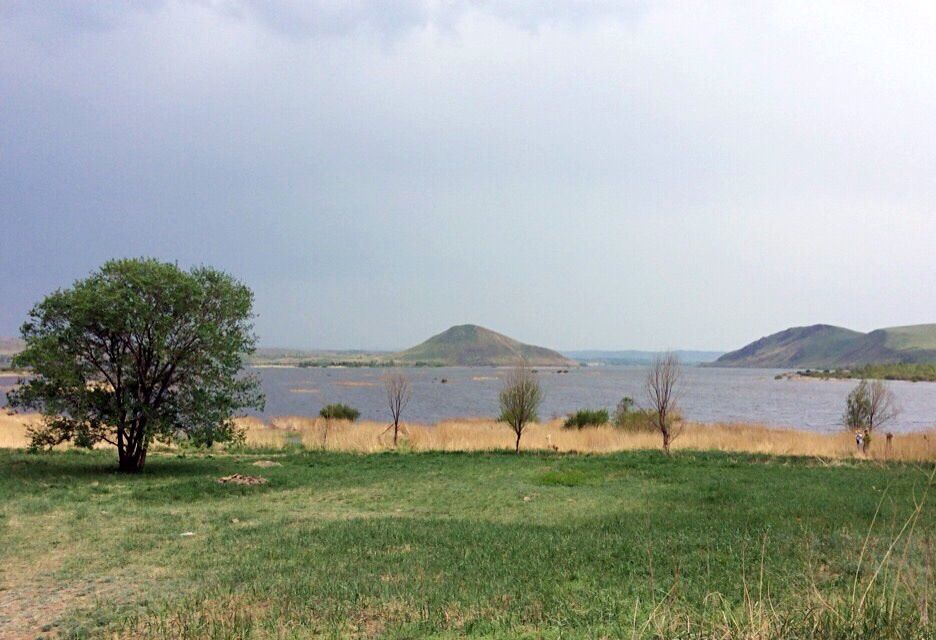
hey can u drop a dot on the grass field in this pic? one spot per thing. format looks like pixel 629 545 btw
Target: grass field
pixel 630 545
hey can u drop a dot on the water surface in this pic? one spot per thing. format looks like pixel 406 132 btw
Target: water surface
pixel 710 395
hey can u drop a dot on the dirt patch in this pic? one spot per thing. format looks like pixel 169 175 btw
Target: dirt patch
pixel 264 464
pixel 237 478
pixel 30 610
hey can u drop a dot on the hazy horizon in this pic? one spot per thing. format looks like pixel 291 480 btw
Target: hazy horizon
pixel 578 175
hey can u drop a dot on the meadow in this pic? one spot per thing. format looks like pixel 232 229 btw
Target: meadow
pixel 423 543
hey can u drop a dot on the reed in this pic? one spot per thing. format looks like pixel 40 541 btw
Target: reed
pixel 478 434
pixel 481 434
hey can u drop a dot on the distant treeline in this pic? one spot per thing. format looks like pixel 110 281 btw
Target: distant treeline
pixel 911 372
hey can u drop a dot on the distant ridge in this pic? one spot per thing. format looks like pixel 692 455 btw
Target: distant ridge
pixel 686 356
pixel 825 346
pixel 11 346
pixel 471 345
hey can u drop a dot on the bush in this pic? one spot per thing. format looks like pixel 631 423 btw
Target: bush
pixel 629 418
pixel 340 412
pixel 586 418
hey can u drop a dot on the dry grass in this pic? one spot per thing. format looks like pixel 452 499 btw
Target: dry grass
pixel 484 435
pixel 13 430
pixel 481 434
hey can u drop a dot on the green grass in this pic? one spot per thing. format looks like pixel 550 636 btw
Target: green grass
pixel 447 545
pixel 920 336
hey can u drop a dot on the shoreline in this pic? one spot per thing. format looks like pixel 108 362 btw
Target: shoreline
pixel 484 434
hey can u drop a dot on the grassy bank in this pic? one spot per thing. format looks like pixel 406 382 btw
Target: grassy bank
pixel 450 544
pixel 909 372
pixel 486 435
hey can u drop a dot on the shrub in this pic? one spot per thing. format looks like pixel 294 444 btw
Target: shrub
pixel 586 418
pixel 629 418
pixel 340 412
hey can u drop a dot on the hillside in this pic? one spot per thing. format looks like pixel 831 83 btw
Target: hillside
pixel 471 345
pixel 10 346
pixel 633 357
pixel 826 346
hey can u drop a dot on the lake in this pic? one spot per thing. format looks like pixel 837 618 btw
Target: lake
pixel 709 395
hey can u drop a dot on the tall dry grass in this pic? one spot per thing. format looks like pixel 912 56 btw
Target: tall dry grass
pixel 13 430
pixel 486 435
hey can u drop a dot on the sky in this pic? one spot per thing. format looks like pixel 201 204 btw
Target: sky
pixel 642 175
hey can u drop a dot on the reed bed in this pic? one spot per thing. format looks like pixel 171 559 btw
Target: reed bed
pixel 479 434
pixel 14 430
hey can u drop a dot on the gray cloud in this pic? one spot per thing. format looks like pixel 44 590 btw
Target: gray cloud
pixel 575 174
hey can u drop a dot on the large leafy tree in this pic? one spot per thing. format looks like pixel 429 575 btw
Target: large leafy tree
pixel 139 351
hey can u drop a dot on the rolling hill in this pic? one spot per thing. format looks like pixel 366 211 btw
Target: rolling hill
pixel 11 346
pixel 471 345
pixel 635 357
pixel 8 348
pixel 826 346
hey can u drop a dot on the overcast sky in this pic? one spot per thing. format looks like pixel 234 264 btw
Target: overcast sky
pixel 573 174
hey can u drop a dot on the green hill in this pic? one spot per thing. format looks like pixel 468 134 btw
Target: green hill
pixel 826 346
pixel 471 345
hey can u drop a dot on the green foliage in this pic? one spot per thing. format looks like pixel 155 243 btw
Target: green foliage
pixel 139 351
pixel 858 406
pixel 340 412
pixel 628 418
pixel 587 418
pixel 906 371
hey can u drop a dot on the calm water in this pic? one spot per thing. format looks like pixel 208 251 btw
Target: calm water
pixel 710 395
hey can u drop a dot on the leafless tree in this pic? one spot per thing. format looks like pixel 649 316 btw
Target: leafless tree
pixel 662 387
pixel 399 393
pixel 520 400
pixel 882 405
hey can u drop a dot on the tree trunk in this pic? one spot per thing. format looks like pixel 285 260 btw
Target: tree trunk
pixel 131 452
pixel 517 446
pixel 666 441
pixel 396 428
pixel 131 460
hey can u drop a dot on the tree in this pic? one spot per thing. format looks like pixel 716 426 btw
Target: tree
pixel 662 387
pixel 520 400
pixel 870 405
pixel 139 351
pixel 399 393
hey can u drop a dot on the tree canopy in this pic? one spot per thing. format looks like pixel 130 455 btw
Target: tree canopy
pixel 139 351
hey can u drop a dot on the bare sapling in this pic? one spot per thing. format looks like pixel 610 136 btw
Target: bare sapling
pixel 399 392
pixel 326 424
pixel 662 386
pixel 520 400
